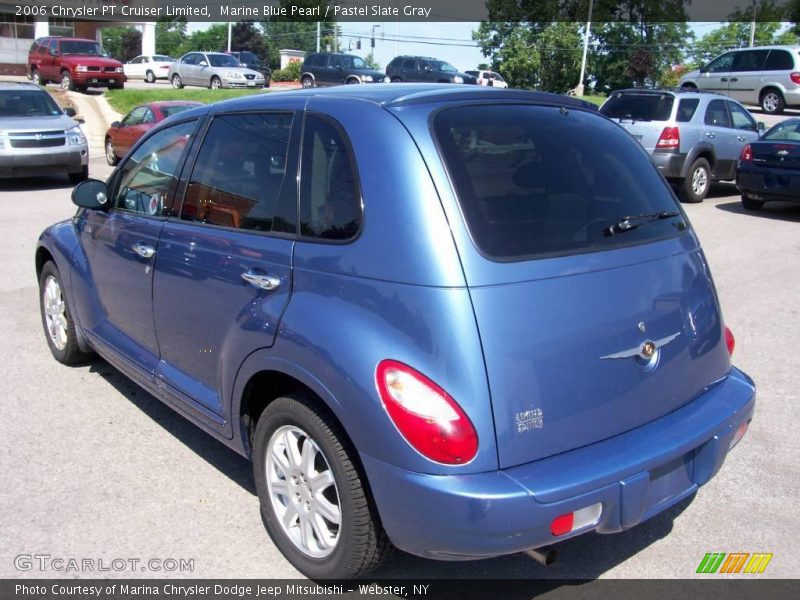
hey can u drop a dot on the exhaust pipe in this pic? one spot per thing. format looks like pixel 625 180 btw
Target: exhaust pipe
pixel 546 555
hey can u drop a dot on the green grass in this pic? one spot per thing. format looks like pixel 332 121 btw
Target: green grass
pixel 124 100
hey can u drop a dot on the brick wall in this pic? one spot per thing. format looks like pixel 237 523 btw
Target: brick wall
pixel 7 69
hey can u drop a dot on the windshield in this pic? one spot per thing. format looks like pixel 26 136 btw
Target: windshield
pixel 32 103
pixel 786 130
pixel 443 66
pixel 639 107
pixel 223 60
pixel 81 47
pixel 536 181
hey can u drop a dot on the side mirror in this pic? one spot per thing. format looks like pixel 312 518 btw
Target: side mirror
pixel 81 121
pixel 761 126
pixel 70 112
pixel 203 63
pixel 428 68
pixel 116 124
pixel 92 194
pixel 703 69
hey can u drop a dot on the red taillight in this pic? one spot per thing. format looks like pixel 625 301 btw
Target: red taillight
pixel 795 77
pixel 730 342
pixel 579 519
pixel 425 415
pixel 562 525
pixel 747 154
pixel 670 138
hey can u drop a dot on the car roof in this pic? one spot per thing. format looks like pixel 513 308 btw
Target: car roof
pixel 160 103
pixel 19 85
pixel 402 94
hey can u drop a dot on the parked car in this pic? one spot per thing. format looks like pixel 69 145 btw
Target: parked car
pixel 767 76
pixel 769 169
pixel 122 135
pixel 213 70
pixel 476 360
pixel 37 137
pixel 321 69
pixel 425 70
pixel 252 61
pixel 148 67
pixel 488 78
pixel 694 138
pixel 76 64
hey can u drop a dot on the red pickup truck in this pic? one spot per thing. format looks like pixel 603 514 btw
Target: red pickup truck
pixel 73 62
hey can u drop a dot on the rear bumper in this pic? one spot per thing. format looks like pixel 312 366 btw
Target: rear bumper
pixel 634 476
pixel 670 164
pixel 764 183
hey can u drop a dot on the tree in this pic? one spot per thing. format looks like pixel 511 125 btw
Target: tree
pixel 130 44
pixel 113 42
pixel 298 34
pixel 245 35
pixel 170 35
pixel 213 39
pixel 371 63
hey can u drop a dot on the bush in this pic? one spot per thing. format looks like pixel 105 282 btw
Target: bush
pixel 290 73
pixel 671 77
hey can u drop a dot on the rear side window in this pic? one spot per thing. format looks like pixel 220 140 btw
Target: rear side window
pixel 639 107
pixel 330 202
pixel 749 60
pixel 315 60
pixel 779 60
pixel 716 114
pixel 240 172
pixel 535 181
pixel 686 109
pixel 409 63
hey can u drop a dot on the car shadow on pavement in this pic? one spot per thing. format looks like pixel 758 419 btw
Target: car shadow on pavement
pixel 35 184
pixel 237 468
pixel 721 189
pixel 779 211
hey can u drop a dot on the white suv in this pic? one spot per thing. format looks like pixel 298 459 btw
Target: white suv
pixel 767 76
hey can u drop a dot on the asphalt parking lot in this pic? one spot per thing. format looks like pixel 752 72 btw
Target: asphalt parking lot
pixel 95 468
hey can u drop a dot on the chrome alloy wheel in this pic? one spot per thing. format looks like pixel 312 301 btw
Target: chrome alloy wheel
pixel 699 181
pixel 771 102
pixel 303 492
pixel 55 313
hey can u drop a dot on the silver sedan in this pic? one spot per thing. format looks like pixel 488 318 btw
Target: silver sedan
pixel 213 70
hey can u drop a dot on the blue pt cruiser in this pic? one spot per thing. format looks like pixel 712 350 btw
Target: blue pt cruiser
pixel 459 322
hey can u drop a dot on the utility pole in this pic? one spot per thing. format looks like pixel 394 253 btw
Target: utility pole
pixel 230 27
pixel 318 31
pixel 753 26
pixel 579 87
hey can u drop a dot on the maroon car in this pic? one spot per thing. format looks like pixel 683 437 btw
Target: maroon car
pixel 74 63
pixel 122 135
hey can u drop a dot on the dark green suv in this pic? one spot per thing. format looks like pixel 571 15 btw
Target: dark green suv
pixel 331 68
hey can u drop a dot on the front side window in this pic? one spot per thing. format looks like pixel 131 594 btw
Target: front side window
pixel 240 177
pixel 148 178
pixel 330 202
pixel 740 118
pixel 444 67
pixel 134 117
pixel 722 64
pixel 537 181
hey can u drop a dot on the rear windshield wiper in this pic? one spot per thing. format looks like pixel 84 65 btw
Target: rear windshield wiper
pixel 634 221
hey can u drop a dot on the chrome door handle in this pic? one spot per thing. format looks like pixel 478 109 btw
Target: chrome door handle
pixel 734 79
pixel 711 135
pixel 723 79
pixel 262 282
pixel 741 138
pixel 144 250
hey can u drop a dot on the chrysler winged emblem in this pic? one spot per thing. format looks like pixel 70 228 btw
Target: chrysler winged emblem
pixel 647 350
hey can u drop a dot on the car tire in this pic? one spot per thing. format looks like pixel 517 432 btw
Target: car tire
pixel 59 328
pixel 352 81
pixel 772 102
pixel 82 175
pixel 301 520
pixel 688 86
pixel 698 180
pixel 111 157
pixel 396 80
pixel 215 83
pixel 267 81
pixel 307 82
pixel 36 77
pixel 67 84
pixel 177 82
pixel 150 77
pixel 751 204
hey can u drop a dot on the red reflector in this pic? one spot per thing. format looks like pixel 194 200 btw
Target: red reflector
pixel 670 138
pixel 740 431
pixel 562 525
pixel 730 341
pixel 795 77
pixel 747 154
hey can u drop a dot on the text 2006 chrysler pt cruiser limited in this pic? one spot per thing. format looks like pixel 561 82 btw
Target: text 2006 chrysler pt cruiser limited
pixel 460 322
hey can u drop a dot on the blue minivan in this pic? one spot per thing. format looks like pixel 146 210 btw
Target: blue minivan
pixel 459 322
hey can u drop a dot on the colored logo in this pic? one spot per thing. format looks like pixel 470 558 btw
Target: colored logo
pixel 735 562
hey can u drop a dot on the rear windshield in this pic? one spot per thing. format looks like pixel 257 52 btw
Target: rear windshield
pixel 639 107
pixel 536 181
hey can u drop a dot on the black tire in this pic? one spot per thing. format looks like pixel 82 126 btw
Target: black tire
pixel 215 83
pixel 751 204
pixel 396 80
pixel 361 545
pixel 67 84
pixel 307 82
pixel 82 175
pixel 352 81
pixel 267 80
pixel 150 77
pixel 111 156
pixel 66 350
pixel 177 82
pixel 36 77
pixel 697 183
pixel 772 102
pixel 688 86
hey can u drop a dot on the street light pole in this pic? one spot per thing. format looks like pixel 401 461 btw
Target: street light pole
pixel 230 26
pixel 579 87
pixel 753 26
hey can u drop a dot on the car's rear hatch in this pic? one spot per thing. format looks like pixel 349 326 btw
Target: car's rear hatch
pixel 586 333
pixel 641 113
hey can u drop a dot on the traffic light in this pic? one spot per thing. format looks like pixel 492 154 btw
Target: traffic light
pixel 358 44
pixel 372 42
